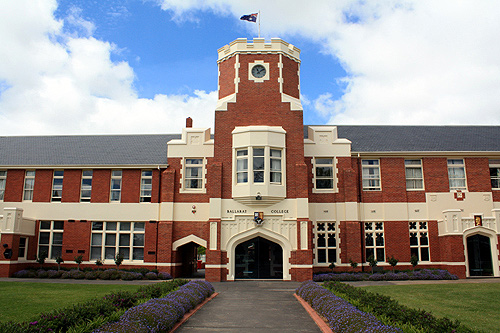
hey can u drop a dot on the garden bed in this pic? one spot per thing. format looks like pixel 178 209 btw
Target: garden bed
pixel 101 274
pixel 421 274
pixel 90 315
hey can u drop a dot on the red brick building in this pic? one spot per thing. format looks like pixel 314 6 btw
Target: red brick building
pixel 265 195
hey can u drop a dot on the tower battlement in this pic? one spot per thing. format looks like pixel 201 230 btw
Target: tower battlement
pixel 258 46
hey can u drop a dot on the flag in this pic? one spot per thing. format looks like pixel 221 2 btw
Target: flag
pixel 250 18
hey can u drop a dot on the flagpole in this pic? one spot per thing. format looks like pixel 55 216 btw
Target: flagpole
pixel 259 23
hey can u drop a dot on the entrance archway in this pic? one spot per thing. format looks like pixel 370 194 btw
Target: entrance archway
pixel 258 258
pixel 479 255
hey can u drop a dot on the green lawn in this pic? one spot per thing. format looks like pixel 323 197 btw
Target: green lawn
pixel 475 305
pixel 23 300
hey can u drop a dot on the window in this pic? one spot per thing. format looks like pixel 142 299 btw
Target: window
pixel 266 165
pixel 258 165
pixel 275 158
pixel 29 184
pixel 110 238
pixel 371 175
pixel 51 238
pixel 323 173
pixel 242 166
pixel 116 186
pixel 419 241
pixel 3 179
pixel 414 175
pixel 374 240
pixel 23 248
pixel 146 185
pixel 193 177
pixel 57 185
pixel 456 174
pixel 325 242
pixel 86 190
pixel 495 174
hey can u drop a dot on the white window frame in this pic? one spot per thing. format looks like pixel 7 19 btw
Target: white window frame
pixel 266 171
pixel 374 230
pixel 86 188
pixel 241 160
pixel 57 197
pixel 369 177
pixel 495 164
pixel 146 186
pixel 275 169
pixel 419 229
pixel 318 162
pixel 410 166
pixel 29 185
pixel 3 181
pixel 328 231
pixel 187 174
pixel 456 163
pixel 115 185
pixel 53 243
pixel 103 249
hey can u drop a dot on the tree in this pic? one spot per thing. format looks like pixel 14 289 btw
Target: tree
pixel 41 258
pixel 59 261
pixel 98 262
pixel 393 262
pixel 371 260
pixel 414 261
pixel 331 266
pixel 353 264
pixel 118 260
pixel 79 260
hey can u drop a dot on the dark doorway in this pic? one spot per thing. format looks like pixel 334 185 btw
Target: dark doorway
pixel 187 254
pixel 479 255
pixel 259 258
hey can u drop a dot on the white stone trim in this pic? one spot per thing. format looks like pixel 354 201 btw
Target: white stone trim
pixel 191 238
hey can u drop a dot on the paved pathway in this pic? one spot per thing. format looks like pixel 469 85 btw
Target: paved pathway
pixel 252 306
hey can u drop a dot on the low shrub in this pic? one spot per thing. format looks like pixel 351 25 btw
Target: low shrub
pixel 340 315
pixel 423 274
pixel 42 274
pixel 161 314
pixel 151 276
pixel 389 308
pixel 26 274
pixel 91 275
pixel 164 276
pixel 73 274
pixel 53 274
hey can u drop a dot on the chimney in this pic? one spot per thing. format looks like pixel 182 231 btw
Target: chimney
pixel 189 122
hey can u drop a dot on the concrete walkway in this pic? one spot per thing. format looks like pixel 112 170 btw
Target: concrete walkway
pixel 252 306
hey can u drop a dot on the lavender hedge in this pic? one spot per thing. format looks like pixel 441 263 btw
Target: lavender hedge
pixel 161 314
pixel 340 315
pixel 422 274
pixel 108 274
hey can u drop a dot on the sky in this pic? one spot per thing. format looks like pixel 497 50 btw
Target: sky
pixel 143 66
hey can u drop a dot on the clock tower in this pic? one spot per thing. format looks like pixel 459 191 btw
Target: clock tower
pixel 257 180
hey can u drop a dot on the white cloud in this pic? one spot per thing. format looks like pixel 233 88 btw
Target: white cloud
pixel 407 61
pixel 52 81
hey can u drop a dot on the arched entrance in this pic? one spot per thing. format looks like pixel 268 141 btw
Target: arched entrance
pixel 479 255
pixel 258 258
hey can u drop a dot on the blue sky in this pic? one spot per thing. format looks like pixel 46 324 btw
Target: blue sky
pixel 143 66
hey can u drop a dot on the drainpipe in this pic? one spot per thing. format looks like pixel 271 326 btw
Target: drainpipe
pixel 361 232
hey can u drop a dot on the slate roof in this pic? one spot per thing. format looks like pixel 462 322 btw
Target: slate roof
pixel 85 150
pixel 132 150
pixel 420 138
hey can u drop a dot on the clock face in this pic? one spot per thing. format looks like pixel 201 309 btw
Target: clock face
pixel 258 71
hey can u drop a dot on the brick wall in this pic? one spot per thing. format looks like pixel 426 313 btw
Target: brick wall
pixel 101 185
pixel 14 186
pixel 71 185
pixel 42 190
pixel 131 185
pixel 76 240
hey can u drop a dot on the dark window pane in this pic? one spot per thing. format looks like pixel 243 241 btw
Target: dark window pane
pixel 332 255
pixel 321 240
pixel 380 255
pixel 369 240
pixel 322 255
pixel 369 252
pixel 44 238
pixel 331 241
pixel 423 239
pixel 413 239
pixel 324 183
pixel 425 254
pixel 138 254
